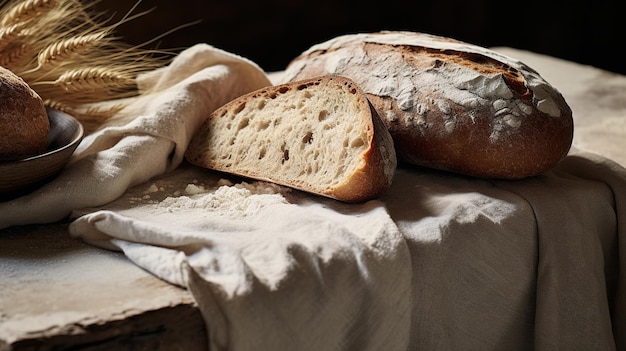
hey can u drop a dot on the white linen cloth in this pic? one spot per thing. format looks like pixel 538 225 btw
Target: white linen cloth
pixel 146 139
pixel 270 269
pixel 441 262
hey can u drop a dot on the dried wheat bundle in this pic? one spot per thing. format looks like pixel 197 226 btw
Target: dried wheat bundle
pixel 68 53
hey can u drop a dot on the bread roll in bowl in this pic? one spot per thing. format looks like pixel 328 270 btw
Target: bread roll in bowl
pixel 451 105
pixel 24 124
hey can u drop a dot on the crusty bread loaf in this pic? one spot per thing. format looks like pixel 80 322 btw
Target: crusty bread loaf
pixel 319 135
pixel 24 124
pixel 451 105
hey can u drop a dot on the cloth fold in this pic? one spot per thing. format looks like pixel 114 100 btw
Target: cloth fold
pixel 441 262
pixel 516 265
pixel 270 269
pixel 577 253
pixel 147 138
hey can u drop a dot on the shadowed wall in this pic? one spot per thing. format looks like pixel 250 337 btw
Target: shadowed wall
pixel 264 31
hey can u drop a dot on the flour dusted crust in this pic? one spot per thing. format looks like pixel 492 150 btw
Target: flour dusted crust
pixel 24 124
pixel 451 105
pixel 319 135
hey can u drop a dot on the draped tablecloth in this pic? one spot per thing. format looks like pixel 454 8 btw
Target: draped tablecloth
pixel 440 262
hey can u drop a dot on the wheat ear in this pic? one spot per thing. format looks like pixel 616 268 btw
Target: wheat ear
pixel 94 78
pixel 16 56
pixel 60 51
pixel 64 51
pixel 26 10
pixel 10 35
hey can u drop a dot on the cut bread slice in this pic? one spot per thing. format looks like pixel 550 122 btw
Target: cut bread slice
pixel 319 135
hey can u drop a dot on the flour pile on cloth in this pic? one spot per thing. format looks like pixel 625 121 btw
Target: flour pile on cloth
pixel 146 139
pixel 270 269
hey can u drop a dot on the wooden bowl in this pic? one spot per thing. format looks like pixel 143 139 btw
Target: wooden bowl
pixel 21 176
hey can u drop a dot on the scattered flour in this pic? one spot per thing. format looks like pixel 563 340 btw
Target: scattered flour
pixel 412 88
pixel 238 200
pixel 193 189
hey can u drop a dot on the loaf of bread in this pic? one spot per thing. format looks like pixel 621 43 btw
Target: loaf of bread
pixel 448 104
pixel 319 135
pixel 24 124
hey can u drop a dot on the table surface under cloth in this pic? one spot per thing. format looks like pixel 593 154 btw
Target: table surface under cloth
pixel 196 260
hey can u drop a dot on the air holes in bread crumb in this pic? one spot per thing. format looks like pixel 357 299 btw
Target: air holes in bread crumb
pixel 308 138
pixel 356 143
pixel 264 125
pixel 240 107
pixel 322 115
pixel 243 123
pixel 285 151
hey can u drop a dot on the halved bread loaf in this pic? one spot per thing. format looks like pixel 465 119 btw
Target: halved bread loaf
pixel 318 135
pixel 448 104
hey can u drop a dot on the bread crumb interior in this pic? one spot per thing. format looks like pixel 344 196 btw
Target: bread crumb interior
pixel 313 134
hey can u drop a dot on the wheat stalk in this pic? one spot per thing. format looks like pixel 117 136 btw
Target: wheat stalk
pixel 15 56
pixel 94 78
pixel 63 50
pixel 26 10
pixel 91 117
pixel 10 34
pixel 67 53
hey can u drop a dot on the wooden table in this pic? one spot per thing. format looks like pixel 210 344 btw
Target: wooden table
pixel 57 292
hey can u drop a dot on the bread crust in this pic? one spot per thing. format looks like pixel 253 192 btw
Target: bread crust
pixel 374 167
pixel 376 174
pixel 451 105
pixel 24 124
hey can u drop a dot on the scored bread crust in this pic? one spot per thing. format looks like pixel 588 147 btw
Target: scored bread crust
pixel 24 124
pixel 448 104
pixel 319 135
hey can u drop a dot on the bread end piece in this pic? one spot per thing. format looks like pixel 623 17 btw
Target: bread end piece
pixel 24 124
pixel 319 135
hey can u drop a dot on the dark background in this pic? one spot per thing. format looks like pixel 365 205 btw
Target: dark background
pixel 272 32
